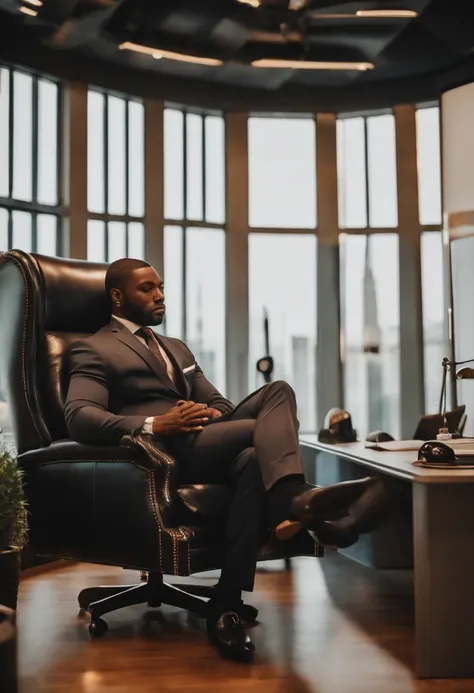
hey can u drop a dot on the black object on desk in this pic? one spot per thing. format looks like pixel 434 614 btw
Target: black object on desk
pixel 430 424
pixel 436 451
pixel 337 428
pixel 379 437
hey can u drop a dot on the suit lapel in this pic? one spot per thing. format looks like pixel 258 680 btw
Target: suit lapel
pixel 126 337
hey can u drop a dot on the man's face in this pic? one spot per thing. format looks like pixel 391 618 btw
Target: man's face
pixel 142 299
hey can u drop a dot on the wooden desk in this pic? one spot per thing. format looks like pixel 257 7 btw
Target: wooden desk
pixel 443 548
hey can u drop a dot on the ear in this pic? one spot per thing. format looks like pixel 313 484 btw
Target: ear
pixel 116 295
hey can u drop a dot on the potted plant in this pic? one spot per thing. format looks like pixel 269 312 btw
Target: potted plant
pixel 13 527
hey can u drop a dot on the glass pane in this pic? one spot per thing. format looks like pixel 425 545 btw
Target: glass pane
pixel 351 173
pixel 173 277
pixel 47 234
pixel 116 155
pixel 117 239
pixel 215 169
pixel 3 230
pixel 47 143
pixel 462 262
pixel 22 236
pixel 194 155
pixel 205 301
pixel 136 159
pixel 173 164
pixel 136 240
pixel 22 136
pixel 282 282
pixel 435 327
pixel 282 172
pixel 382 167
pixel 428 143
pixel 96 241
pixel 95 153
pixel 371 331
pixel 4 131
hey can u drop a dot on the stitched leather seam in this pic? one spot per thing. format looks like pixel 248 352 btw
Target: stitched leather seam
pixel 23 341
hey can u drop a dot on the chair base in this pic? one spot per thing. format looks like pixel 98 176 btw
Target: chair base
pixel 154 592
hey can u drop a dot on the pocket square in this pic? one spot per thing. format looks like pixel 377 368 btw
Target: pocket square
pixel 189 369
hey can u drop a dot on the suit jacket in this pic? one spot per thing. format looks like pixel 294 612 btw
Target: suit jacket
pixel 116 382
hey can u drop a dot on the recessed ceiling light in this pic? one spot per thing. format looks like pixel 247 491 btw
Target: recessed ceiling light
pixel 392 14
pixel 29 11
pixel 252 3
pixel 157 53
pixel 311 64
pixel 37 3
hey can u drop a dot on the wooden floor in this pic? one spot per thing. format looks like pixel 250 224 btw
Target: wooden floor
pixel 326 626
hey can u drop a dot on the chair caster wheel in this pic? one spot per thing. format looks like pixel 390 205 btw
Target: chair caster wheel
pixel 248 613
pixel 154 604
pixel 98 627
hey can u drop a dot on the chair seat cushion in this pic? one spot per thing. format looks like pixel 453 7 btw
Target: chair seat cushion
pixel 207 500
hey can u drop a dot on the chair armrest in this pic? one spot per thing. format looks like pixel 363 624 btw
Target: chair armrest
pixel 158 459
pixel 102 504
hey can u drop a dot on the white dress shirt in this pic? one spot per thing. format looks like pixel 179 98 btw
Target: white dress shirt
pixel 133 327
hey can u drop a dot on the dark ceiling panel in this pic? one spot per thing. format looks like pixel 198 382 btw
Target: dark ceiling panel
pixel 404 51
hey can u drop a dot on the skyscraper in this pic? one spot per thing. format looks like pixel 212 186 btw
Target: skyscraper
pixel 372 347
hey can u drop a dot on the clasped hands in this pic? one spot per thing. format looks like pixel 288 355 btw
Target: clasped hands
pixel 185 417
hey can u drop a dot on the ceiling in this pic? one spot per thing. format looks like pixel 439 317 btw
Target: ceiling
pixel 409 55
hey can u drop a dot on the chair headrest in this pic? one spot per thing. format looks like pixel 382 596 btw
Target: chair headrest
pixel 74 294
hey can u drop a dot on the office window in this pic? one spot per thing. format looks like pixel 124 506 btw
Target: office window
pixel 116 177
pixel 47 230
pixel 205 301
pixel 4 132
pixel 47 142
pixel 29 163
pixel 351 173
pixel 194 236
pixel 215 169
pixel 173 278
pixel 382 171
pixel 3 230
pixel 428 141
pixel 282 287
pixel 22 136
pixel 174 163
pixel 194 163
pixel 95 152
pixel 111 241
pixel 282 172
pixel 435 328
pixel 370 320
pixel 192 291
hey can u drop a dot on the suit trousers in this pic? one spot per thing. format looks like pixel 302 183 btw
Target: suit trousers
pixel 250 449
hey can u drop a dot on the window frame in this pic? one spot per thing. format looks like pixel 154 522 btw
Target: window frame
pixel 106 217
pixel 33 207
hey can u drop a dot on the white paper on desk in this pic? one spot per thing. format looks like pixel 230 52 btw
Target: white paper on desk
pixel 395 445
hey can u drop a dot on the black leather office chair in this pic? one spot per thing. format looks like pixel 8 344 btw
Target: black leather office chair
pixel 120 505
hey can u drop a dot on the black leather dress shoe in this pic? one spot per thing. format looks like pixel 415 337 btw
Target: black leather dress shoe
pixel 228 635
pixel 318 504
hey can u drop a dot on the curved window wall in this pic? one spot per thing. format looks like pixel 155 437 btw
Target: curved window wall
pixel 297 247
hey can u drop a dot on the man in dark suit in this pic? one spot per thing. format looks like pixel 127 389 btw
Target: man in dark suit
pixel 126 378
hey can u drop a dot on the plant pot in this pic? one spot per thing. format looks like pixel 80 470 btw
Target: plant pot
pixel 9 576
pixel 8 651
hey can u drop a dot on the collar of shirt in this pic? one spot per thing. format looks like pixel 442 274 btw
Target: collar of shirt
pixel 132 326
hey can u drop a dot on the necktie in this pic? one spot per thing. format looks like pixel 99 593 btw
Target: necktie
pixel 152 343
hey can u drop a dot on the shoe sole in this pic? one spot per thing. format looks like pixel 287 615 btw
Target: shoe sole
pixel 288 529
